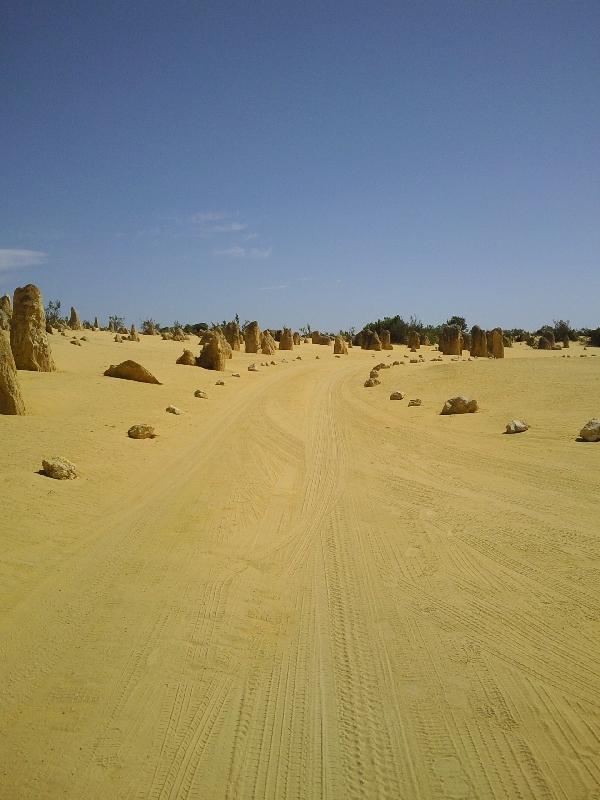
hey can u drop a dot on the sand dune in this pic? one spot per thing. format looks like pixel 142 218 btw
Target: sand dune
pixel 300 589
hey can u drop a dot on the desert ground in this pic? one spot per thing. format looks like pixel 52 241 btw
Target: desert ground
pixel 301 589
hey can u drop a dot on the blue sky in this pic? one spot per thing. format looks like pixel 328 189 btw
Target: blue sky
pixel 316 162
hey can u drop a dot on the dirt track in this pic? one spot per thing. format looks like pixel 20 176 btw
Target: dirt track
pixel 302 589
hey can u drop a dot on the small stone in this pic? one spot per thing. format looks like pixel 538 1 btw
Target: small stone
pixel 141 431
pixel 77 342
pixel 372 382
pixel 219 383
pixel 517 426
pixel 252 368
pixel 61 469
pixel 415 402
pixel 235 375
pixel 201 393
pixel 173 410
pixel 397 396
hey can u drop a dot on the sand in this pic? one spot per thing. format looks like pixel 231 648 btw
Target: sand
pixel 301 589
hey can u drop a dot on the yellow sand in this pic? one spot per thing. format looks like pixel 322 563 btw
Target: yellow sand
pixel 301 589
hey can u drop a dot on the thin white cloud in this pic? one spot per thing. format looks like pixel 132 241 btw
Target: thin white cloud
pixel 272 288
pixel 207 223
pixel 16 259
pixel 244 252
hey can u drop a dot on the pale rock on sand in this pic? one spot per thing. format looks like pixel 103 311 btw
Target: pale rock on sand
pixel 11 401
pixel 215 352
pixel 252 337
pixel 61 469
pixel 267 343
pixel 459 405
pixel 187 358
pixel 173 410
pixel 74 320
pixel 131 371
pixel 201 393
pixel 517 426
pixel 141 431
pixel 28 338
pixel 591 431
pixel 397 396
pixel 286 342
pixel 133 335
pixel 252 368
pixel 219 383
pixel 339 346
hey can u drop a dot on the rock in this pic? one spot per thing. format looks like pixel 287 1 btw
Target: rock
pixel 370 340
pixel 173 410
pixel 235 375
pixel 566 342
pixel 451 340
pixel 61 469
pixel 591 431
pixel 372 382
pixel 74 321
pixel 141 431
pixel 232 334
pixel 28 338
pixel 478 342
pixel 187 358
pixel 267 344
pixel 133 335
pixel 179 335
pixel 11 401
pixel 415 402
pixel 252 337
pixel 386 342
pixel 5 312
pixel 215 352
pixel 495 343
pixel 516 426
pixel 459 405
pixel 83 338
pixel 296 338
pixel 374 373
pixel 339 346
pixel 397 396
pixel 131 371
pixel 77 342
pixel 424 339
pixel 166 336
pixel 118 338
pixel 357 340
pixel 219 383
pixel 395 363
pixel 544 343
pixel 201 393
pixel 315 337
pixel 48 328
pixel 252 368
pixel 413 340
pixel 286 342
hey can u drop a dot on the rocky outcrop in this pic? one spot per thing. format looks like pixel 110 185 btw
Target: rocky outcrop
pixel 478 347
pixel 286 341
pixel 339 346
pixel 296 338
pixel 386 342
pixel 315 337
pixel 187 358
pixel 451 341
pixel 357 339
pixel 11 401
pixel 179 335
pixel 215 352
pixel 74 320
pixel 28 338
pixel 131 371
pixel 233 335
pixel 141 431
pixel 61 469
pixel 459 405
pixel 495 342
pixel 413 340
pixel 591 431
pixel 5 312
pixel 268 344
pixel 252 337
pixel 133 335
pixel 370 340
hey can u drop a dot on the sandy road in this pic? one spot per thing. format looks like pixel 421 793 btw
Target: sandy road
pixel 316 598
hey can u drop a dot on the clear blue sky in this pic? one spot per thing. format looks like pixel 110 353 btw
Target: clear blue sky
pixel 296 162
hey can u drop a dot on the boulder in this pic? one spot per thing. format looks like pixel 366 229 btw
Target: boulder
pixel 451 340
pixel 544 343
pixel 173 410
pixel 370 382
pixel 252 337
pixel 296 338
pixel 415 402
pixel 315 337
pixel 133 335
pixel 268 344
pixel 61 469
pixel 413 340
pixel 459 405
pixel 5 312
pixel 187 358
pixel 386 342
pixel 370 340
pixel 28 338
pixel 74 320
pixel 357 340
pixel 517 426
pixel 179 335
pixel 131 371
pixel 478 342
pixel 252 368
pixel 495 343
pixel 11 401
pixel 286 340
pixel 214 352
pixel 141 431
pixel 339 346
pixel 232 334
pixel 397 396
pixel 201 393
pixel 591 431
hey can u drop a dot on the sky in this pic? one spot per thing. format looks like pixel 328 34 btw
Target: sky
pixel 327 163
